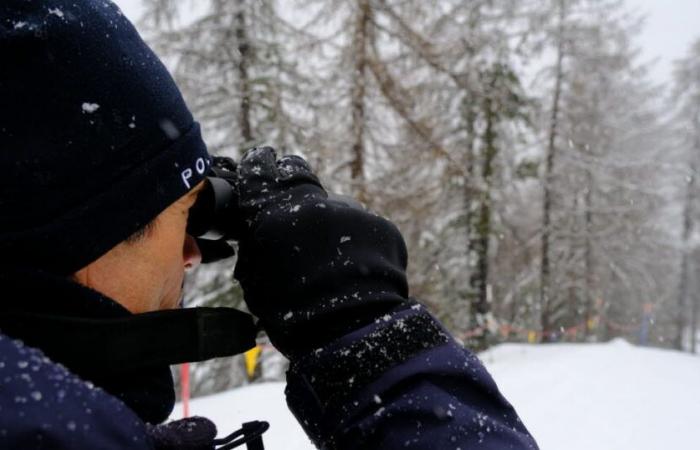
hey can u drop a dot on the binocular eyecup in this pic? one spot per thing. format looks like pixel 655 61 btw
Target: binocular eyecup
pixel 214 215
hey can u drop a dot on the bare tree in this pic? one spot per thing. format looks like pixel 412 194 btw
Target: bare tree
pixel 686 99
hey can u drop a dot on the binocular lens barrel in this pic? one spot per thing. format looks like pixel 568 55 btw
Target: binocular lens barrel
pixel 213 215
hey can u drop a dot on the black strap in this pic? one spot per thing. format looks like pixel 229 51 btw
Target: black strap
pixel 140 340
pixel 250 434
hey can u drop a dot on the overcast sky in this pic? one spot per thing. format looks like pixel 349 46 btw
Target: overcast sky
pixel 671 27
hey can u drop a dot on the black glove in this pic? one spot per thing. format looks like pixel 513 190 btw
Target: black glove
pixel 312 268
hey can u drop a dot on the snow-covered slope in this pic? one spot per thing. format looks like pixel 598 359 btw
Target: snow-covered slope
pixel 612 396
pixel 571 396
pixel 255 402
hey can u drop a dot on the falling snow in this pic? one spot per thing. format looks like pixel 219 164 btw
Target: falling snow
pixel 90 108
pixel 56 12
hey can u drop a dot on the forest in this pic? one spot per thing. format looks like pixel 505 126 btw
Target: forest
pixel 546 187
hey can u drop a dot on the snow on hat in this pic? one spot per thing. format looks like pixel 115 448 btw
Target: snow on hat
pixel 95 138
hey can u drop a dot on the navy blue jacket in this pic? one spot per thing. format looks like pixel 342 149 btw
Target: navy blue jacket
pixel 401 382
pixel 44 406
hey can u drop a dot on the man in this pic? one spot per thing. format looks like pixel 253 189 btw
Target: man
pixel 102 163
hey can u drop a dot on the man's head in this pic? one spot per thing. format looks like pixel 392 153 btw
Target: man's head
pixel 145 272
pixel 96 142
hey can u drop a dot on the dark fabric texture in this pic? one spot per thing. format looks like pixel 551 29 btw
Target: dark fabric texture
pixel 334 267
pixel 192 433
pixel 423 394
pixel 369 368
pixel 144 385
pixel 96 139
pixel 334 375
pixel 44 406
pixel 147 390
pixel 399 379
pixel 134 341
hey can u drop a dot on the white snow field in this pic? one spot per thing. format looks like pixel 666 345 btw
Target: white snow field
pixel 612 396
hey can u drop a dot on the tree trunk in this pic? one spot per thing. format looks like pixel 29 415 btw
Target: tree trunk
pixel 244 122
pixel 468 190
pixel 683 285
pixel 548 179
pixel 481 233
pixel 470 117
pixel 696 298
pixel 588 254
pixel 359 79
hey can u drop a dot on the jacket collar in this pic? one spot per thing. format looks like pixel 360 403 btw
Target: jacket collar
pixel 148 390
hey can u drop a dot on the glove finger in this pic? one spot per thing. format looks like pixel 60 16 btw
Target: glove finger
pixel 294 169
pixel 224 162
pixel 259 164
pixel 291 164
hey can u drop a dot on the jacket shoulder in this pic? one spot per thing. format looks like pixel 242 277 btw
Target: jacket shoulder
pixel 43 405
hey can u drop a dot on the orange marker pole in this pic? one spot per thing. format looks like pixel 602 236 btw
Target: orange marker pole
pixel 185 388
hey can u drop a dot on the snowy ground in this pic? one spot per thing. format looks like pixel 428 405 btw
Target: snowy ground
pixel 571 396
pixel 256 402
pixel 602 396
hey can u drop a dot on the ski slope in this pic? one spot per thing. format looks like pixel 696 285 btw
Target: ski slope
pixel 612 396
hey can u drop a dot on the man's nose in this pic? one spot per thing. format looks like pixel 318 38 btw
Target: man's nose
pixel 191 254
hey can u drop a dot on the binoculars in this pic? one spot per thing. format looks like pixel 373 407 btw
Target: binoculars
pixel 214 215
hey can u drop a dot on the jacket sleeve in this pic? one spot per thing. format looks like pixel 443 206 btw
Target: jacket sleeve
pixel 401 382
pixel 44 406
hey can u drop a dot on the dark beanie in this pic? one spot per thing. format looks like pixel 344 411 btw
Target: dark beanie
pixel 95 138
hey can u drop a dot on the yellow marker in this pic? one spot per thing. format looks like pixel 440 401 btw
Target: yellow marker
pixel 592 322
pixel 531 336
pixel 251 360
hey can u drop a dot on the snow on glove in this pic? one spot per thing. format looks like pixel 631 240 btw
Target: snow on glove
pixel 312 268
